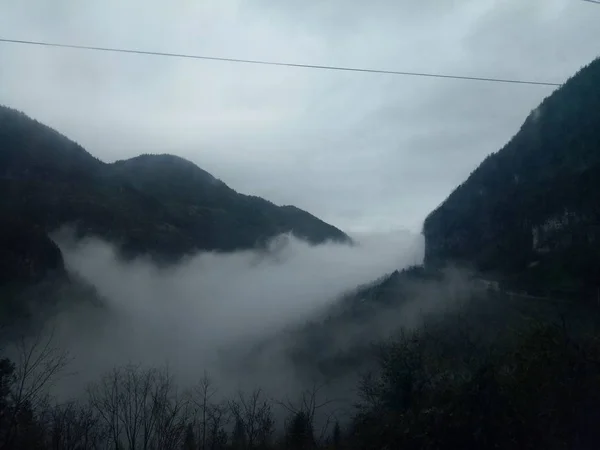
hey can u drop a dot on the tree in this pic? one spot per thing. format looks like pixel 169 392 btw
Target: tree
pixel 254 422
pixel 140 408
pixel 190 438
pixel 73 427
pixel 336 438
pixel 300 433
pixel 24 387
pixel 209 418
pixel 304 412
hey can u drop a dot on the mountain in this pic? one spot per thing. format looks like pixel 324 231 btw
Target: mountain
pixel 531 211
pixel 213 214
pixel 160 205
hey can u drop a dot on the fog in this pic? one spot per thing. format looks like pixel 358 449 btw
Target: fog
pixel 204 313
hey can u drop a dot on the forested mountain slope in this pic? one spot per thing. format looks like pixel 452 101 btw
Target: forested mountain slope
pixel 531 211
pixel 156 204
pixel 28 254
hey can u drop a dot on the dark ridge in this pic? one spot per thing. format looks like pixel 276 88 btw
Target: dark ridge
pixel 160 205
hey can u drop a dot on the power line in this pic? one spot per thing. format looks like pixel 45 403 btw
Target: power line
pixel 276 63
pixel 593 1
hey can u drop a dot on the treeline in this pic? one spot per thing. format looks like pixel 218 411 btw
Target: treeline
pixel 133 407
pixel 435 389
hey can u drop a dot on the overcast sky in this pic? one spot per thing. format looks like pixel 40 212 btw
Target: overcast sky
pixel 362 151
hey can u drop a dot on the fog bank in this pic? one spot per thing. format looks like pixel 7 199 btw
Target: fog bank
pixel 197 315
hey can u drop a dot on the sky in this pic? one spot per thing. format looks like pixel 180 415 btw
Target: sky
pixel 364 152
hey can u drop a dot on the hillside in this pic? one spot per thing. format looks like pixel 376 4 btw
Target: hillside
pixel 210 212
pixel 28 255
pixel 161 205
pixel 530 212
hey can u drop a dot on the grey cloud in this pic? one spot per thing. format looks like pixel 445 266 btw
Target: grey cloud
pixel 361 151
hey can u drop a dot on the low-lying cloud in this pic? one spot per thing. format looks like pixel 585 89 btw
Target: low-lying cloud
pixel 197 315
